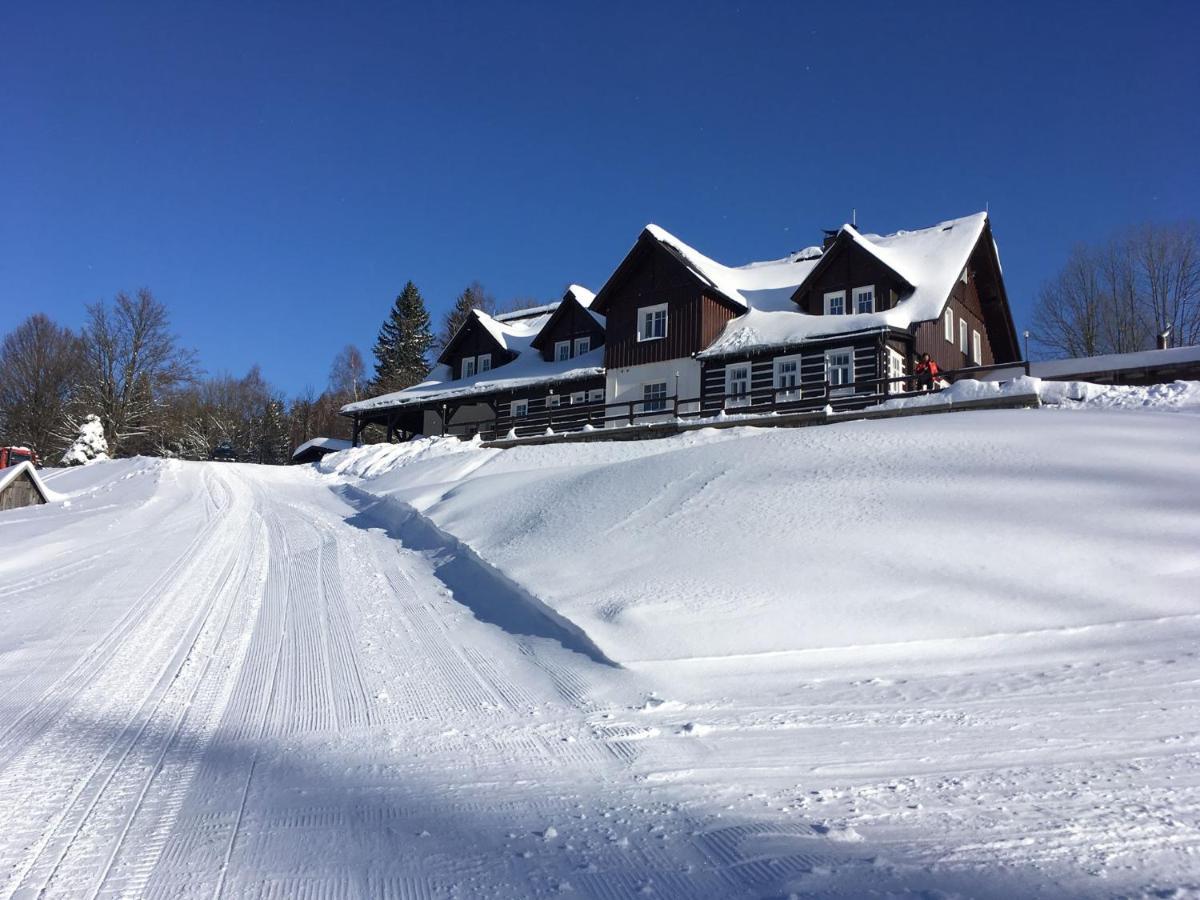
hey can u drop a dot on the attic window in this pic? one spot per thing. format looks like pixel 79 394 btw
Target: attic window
pixel 652 322
pixel 562 350
pixel 864 300
pixel 835 303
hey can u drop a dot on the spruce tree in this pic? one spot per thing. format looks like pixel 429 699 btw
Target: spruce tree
pixel 404 339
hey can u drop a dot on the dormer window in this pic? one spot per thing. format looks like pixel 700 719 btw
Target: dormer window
pixel 864 300
pixel 468 367
pixel 582 345
pixel 485 362
pixel 562 350
pixel 835 303
pixel 652 322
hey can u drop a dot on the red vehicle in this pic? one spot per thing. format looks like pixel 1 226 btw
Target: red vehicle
pixel 13 456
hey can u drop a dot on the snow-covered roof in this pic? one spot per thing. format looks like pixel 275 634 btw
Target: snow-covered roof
pixel 1144 359
pixel 930 260
pixel 527 369
pixel 526 313
pixel 10 474
pixel 330 444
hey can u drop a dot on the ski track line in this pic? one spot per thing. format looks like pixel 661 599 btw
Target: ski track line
pixel 96 785
pixel 48 707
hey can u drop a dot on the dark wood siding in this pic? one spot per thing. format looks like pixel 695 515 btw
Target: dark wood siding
pixel 713 317
pixel 850 267
pixel 812 369
pixel 930 336
pixel 537 396
pixel 658 277
pixel 473 340
pixel 569 322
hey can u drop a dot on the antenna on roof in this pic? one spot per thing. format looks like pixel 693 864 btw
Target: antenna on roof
pixel 854 216
pixel 987 208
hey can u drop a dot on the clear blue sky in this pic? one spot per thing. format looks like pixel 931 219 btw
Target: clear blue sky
pixel 275 172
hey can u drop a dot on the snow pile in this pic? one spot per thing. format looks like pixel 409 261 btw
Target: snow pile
pixel 1177 396
pixel 964 390
pixel 746 541
pixel 89 446
pixel 374 460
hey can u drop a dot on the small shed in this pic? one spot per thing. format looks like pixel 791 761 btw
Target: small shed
pixel 313 450
pixel 21 486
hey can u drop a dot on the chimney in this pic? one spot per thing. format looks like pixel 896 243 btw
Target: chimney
pixel 830 237
pixel 1164 339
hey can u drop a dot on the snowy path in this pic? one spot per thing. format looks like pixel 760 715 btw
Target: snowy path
pixel 235 683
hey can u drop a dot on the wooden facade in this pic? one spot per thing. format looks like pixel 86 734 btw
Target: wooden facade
pixel 19 487
pixel 844 267
pixel 569 322
pixel 471 341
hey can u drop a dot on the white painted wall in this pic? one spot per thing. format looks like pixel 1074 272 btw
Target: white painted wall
pixel 625 385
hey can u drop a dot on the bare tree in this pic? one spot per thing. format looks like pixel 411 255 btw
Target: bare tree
pixel 40 362
pixel 132 364
pixel 347 375
pixel 1116 297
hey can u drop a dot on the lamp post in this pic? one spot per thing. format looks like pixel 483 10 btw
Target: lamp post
pixel 677 395
pixel 443 420
pixel 550 411
pixel 1026 335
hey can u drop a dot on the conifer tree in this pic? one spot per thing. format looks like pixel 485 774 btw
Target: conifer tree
pixel 404 339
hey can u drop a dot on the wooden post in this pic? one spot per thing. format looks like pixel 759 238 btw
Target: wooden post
pixel 357 430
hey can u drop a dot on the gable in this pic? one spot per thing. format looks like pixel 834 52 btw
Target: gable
pixel 846 265
pixel 472 339
pixel 569 321
pixel 667 268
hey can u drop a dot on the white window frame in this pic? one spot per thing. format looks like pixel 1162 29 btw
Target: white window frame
pixel 840 390
pixel 519 409
pixel 860 292
pixel 786 391
pixel 948 327
pixel 732 375
pixel 596 395
pixel 562 350
pixel 976 348
pixel 583 345
pixel 896 361
pixel 840 297
pixel 644 327
pixel 578 397
pixel 553 401
pixel 484 363
pixel 646 401
pixel 962 335
pixel 468 366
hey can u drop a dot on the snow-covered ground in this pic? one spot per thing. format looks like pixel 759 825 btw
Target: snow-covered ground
pixel 951 654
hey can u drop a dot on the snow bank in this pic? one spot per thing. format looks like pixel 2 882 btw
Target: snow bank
pixel 744 541
pixel 1179 396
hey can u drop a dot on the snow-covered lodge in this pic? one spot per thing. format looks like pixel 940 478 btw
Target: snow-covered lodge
pixel 674 333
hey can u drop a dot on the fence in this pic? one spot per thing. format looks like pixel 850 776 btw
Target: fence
pixel 803 398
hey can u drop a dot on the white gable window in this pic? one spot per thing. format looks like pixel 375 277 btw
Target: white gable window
pixel 835 303
pixel 582 345
pixel 654 396
pixel 737 384
pixel 468 366
pixel 520 409
pixel 839 370
pixel 652 322
pixel 948 324
pixel 976 348
pixel 562 350
pixel 787 375
pixel 962 335
pixel 485 362
pixel 864 300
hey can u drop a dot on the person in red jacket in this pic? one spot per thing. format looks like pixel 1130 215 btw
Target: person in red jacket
pixel 927 372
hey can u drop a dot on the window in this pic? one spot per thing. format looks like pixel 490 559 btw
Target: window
pixel 553 401
pixel 654 396
pixel 562 350
pixel 578 397
pixel 839 370
pixel 652 322
pixel 787 373
pixel 582 345
pixel 835 303
pixel 737 384
pixel 976 348
pixel 596 396
pixel 468 367
pixel 520 409
pixel 962 335
pixel 896 370
pixel 864 300
pixel 485 362
pixel 948 320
